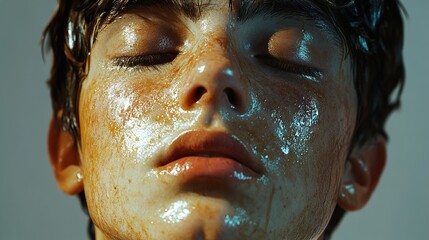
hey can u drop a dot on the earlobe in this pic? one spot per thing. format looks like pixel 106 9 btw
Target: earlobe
pixel 362 172
pixel 64 159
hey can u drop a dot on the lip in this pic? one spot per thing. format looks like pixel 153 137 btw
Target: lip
pixel 209 154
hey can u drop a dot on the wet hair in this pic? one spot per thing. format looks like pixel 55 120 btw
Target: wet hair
pixel 371 32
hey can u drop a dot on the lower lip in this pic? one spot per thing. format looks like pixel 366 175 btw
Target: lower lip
pixel 209 167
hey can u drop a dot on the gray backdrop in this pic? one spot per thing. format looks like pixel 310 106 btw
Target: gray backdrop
pixel 32 207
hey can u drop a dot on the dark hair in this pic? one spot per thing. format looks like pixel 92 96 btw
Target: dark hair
pixel 371 32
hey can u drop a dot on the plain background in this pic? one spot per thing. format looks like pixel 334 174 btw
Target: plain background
pixel 32 207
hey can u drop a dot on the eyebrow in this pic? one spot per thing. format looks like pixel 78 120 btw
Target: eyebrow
pixel 308 10
pixel 288 8
pixel 192 9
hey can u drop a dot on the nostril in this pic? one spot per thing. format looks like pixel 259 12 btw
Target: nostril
pixel 233 99
pixel 199 92
pixel 195 95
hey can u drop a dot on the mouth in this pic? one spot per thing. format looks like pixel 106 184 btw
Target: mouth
pixel 207 154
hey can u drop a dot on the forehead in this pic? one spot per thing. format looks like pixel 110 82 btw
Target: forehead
pixel 314 11
pixel 242 9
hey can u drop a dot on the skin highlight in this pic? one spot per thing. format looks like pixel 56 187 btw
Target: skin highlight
pixel 129 116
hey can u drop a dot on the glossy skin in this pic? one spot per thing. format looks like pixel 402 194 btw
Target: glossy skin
pixel 296 122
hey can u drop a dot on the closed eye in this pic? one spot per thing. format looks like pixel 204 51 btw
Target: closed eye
pixel 149 60
pixel 308 72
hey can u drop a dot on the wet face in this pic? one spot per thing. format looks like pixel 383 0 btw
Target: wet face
pixel 215 127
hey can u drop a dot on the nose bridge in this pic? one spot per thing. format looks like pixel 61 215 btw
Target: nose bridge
pixel 215 83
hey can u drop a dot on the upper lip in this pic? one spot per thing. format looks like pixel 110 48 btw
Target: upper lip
pixel 209 144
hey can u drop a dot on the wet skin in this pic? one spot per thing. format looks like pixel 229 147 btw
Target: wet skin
pixel 279 86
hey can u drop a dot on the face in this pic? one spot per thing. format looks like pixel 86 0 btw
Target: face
pixel 214 127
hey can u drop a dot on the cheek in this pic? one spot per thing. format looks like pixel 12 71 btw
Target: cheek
pixel 332 145
pixel 303 137
pixel 122 126
pixel 337 126
pixel 124 118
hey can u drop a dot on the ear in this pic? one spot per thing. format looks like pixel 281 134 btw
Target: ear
pixel 64 158
pixel 362 172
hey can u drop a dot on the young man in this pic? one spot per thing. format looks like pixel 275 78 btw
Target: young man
pixel 222 119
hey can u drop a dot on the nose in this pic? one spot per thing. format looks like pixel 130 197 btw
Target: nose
pixel 215 84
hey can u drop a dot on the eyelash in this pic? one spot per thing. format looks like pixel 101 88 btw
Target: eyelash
pixel 145 61
pixel 154 60
pixel 290 67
